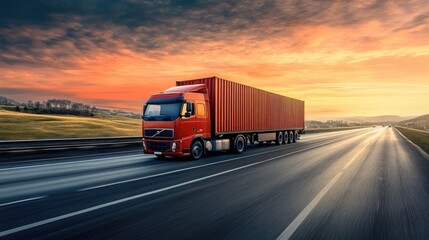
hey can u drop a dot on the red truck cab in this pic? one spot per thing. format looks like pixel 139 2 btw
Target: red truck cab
pixel 175 118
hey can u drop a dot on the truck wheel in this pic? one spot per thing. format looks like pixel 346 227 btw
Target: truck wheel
pixel 295 136
pixel 291 139
pixel 279 139
pixel 196 150
pixel 285 137
pixel 239 144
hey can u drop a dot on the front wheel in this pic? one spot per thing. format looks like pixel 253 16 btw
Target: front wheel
pixel 196 150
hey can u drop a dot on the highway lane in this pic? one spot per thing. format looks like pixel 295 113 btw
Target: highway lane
pixel 363 184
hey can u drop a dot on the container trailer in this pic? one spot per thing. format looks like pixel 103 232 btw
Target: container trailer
pixel 213 114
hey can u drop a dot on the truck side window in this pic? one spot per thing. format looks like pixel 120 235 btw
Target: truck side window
pixel 184 109
pixel 193 109
pixel 201 110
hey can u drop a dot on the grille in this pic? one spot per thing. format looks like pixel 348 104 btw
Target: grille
pixel 152 131
pixel 158 146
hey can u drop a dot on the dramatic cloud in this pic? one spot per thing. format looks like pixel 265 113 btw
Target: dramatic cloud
pixel 117 53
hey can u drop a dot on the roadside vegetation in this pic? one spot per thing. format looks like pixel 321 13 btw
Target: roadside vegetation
pixel 60 107
pixel 421 123
pixel 19 126
pixel 418 137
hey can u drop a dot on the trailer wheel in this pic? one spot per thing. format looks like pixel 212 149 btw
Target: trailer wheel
pixel 291 140
pixel 295 136
pixel 279 139
pixel 239 144
pixel 285 137
pixel 196 150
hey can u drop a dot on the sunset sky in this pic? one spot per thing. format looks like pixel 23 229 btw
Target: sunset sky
pixel 343 58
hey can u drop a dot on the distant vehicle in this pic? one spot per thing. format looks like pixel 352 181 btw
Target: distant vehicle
pixel 213 114
pixel 382 125
pixel 373 125
pixel 390 125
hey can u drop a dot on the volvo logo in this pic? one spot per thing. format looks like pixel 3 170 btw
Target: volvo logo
pixel 158 132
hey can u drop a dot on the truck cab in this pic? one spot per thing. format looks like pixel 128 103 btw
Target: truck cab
pixel 176 122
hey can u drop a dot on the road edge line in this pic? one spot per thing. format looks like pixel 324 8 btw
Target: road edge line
pixel 422 152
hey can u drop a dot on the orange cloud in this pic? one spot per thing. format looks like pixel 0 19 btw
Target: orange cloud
pixel 343 59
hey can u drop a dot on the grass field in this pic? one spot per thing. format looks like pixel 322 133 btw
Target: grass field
pixel 417 137
pixel 17 126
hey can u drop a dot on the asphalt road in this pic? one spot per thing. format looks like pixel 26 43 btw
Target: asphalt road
pixel 357 184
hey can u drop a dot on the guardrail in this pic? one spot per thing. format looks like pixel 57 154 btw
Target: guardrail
pixel 52 144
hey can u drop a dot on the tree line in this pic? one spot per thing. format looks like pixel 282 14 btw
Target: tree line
pixel 52 106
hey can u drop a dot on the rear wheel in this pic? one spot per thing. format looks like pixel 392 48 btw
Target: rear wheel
pixel 196 150
pixel 285 137
pixel 240 144
pixel 295 136
pixel 279 138
pixel 291 139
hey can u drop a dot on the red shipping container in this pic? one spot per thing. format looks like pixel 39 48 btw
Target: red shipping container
pixel 237 108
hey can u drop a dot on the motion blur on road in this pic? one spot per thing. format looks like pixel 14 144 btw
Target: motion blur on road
pixel 367 183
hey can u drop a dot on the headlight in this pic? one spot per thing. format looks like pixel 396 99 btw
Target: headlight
pixel 173 146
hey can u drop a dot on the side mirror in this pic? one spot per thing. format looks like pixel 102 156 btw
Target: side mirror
pixel 187 114
pixel 189 107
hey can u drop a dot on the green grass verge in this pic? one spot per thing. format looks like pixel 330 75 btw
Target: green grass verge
pixel 419 138
pixel 17 126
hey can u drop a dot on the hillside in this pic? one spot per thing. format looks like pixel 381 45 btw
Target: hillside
pixel 376 119
pixel 420 118
pixel 421 122
pixel 17 125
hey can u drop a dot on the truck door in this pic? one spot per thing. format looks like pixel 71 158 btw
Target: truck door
pixel 201 122
pixel 188 124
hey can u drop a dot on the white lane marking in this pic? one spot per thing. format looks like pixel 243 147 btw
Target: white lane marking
pixel 86 210
pixel 286 234
pixel 92 160
pixel 73 162
pixel 189 168
pixel 174 171
pixel 354 158
pixel 289 231
pixel 21 201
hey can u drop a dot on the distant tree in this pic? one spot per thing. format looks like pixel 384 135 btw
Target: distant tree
pixel 37 107
pixel 30 104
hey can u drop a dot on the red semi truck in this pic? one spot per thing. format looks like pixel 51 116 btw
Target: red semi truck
pixel 213 114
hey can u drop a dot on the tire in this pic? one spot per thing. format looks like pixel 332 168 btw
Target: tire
pixel 197 150
pixel 279 138
pixel 295 136
pixel 160 156
pixel 239 144
pixel 291 140
pixel 285 137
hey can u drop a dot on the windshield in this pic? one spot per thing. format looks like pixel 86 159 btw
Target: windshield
pixel 162 111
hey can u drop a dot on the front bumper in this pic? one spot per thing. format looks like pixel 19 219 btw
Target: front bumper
pixel 164 147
